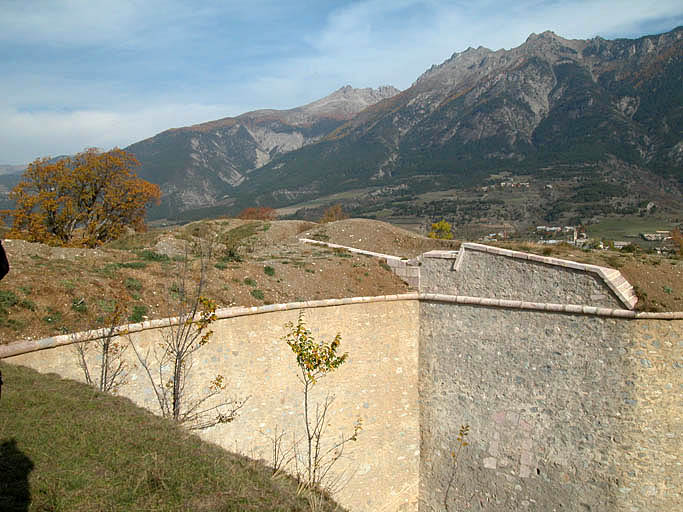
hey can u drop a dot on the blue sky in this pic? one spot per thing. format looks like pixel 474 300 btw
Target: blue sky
pixel 84 73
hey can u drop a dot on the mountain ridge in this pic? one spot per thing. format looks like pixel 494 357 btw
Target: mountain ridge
pixel 200 165
pixel 548 102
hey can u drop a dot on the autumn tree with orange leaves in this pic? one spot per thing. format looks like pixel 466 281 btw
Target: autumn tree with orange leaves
pixel 258 213
pixel 84 200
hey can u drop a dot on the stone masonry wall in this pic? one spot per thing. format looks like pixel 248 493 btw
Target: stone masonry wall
pixel 488 275
pixel 377 384
pixel 567 411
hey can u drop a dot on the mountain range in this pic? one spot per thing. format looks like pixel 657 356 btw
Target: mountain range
pixel 589 127
pixel 203 165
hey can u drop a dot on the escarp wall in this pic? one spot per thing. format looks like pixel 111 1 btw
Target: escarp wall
pixel 378 384
pixel 573 400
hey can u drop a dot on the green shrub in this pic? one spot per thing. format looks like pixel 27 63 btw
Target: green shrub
pixel 53 316
pixel 231 255
pixel 139 311
pixel 257 294
pixel 27 304
pixel 133 264
pixel 148 255
pixel 79 305
pixel 175 290
pixel 8 299
pixel 106 305
pixel 109 269
pixel 220 266
pixel 268 270
pixel 249 281
pixel 133 284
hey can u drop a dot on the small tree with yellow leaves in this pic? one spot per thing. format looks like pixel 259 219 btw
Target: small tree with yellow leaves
pixel 455 454
pixel 441 230
pixel 185 334
pixel 333 213
pixel 315 360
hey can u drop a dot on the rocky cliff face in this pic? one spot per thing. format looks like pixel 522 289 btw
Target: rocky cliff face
pixel 198 166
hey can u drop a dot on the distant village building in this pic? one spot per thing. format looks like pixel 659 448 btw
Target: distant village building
pixel 657 236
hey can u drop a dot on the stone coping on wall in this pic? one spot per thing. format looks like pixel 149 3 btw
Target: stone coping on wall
pixel 22 347
pixel 550 307
pixel 407 261
pixel 612 278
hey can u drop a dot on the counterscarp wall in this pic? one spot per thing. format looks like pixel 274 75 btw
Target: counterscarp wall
pixel 567 411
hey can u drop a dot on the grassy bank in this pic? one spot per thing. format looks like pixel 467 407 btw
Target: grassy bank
pixel 65 446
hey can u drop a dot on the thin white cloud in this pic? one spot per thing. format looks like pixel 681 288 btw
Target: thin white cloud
pixel 202 57
pixel 30 135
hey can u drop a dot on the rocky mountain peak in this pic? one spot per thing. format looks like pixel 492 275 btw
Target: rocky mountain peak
pixel 347 101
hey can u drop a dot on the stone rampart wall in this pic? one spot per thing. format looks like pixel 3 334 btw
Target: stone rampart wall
pixel 481 274
pixel 567 411
pixel 378 384
pixel 573 400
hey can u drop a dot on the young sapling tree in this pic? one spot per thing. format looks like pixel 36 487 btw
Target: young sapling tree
pixel 315 360
pixel 110 370
pixel 172 360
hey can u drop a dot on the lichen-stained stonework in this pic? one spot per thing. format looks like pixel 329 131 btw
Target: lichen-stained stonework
pixel 377 384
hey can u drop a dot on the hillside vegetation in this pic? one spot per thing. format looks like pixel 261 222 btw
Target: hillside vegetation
pixel 56 290
pixel 65 446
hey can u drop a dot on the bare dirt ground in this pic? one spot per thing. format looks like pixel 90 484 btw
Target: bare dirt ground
pixel 376 236
pixel 54 290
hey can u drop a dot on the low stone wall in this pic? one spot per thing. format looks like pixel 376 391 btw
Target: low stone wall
pixel 406 269
pixel 378 384
pixel 484 274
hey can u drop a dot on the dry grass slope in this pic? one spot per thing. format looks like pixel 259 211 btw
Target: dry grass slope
pixel 65 446
pixel 53 290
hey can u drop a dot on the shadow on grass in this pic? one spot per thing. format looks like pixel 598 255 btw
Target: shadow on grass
pixel 15 467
